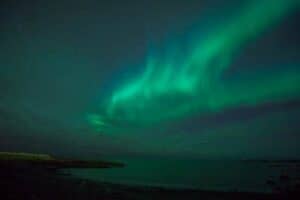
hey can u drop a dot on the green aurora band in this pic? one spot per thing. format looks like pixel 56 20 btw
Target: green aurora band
pixel 171 88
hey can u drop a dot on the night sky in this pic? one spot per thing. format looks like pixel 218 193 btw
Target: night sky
pixel 207 79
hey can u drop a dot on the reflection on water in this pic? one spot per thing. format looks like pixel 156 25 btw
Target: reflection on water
pixel 254 176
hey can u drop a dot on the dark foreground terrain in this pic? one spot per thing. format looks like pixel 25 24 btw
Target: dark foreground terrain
pixel 25 182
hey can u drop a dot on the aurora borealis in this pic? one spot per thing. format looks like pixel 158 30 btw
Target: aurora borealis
pixel 177 82
pixel 204 78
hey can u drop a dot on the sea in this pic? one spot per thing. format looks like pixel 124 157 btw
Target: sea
pixel 212 175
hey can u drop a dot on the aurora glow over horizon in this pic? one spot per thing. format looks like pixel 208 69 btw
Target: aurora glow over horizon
pixel 202 78
pixel 185 79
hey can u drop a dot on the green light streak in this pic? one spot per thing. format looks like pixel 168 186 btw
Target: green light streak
pixel 164 91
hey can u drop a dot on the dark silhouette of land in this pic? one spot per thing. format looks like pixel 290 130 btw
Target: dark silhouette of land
pixel 38 176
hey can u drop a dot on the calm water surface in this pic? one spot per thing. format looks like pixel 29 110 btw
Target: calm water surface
pixel 222 175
